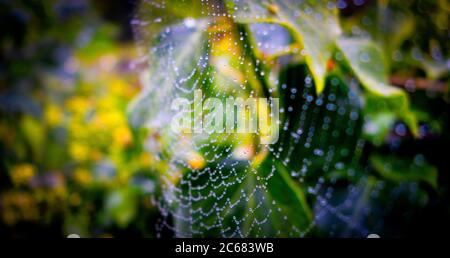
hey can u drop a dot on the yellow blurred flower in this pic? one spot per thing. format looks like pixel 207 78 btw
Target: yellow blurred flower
pixel 77 104
pixel 118 87
pixel 53 115
pixel 107 120
pixel 78 130
pixel 22 173
pixel 75 199
pixel 122 136
pixel 60 191
pixel 145 159
pixel 79 152
pixel 18 206
pixel 82 176
pixel 96 155
pixel 107 103
pixel 123 176
pixel 195 160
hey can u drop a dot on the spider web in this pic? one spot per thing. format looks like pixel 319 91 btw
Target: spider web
pixel 213 184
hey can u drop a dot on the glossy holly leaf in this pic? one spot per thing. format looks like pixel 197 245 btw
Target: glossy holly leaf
pixel 367 63
pixel 312 23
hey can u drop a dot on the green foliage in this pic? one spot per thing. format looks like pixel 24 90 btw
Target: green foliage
pixel 401 170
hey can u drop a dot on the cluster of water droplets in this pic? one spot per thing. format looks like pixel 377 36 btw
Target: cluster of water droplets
pixel 210 183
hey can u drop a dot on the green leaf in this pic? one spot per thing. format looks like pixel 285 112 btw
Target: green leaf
pixel 399 170
pixel 367 62
pixel 311 23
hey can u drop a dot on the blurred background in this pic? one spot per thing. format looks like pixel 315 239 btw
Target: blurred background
pixel 66 76
pixel 69 162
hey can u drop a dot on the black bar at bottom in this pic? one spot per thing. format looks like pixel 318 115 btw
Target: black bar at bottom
pixel 269 247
